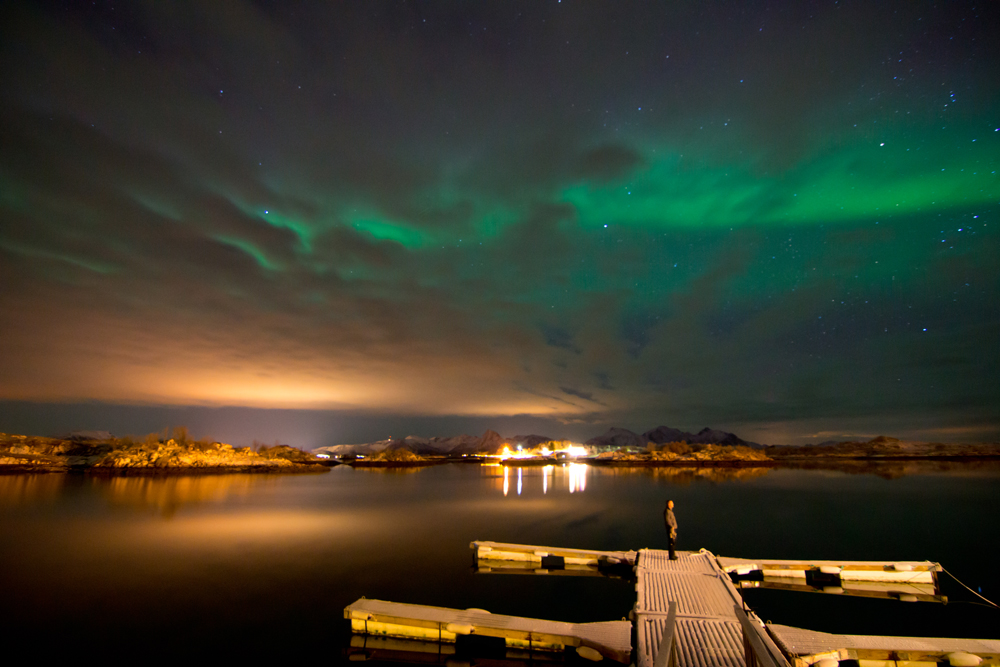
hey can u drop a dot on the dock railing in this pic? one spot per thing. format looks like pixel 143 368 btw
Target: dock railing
pixel 666 654
pixel 759 649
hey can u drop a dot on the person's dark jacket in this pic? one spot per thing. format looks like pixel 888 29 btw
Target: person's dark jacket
pixel 671 521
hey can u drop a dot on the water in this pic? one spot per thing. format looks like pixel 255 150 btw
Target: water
pixel 254 564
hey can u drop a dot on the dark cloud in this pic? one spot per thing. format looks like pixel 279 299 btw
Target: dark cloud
pixel 603 380
pixel 586 395
pixel 560 338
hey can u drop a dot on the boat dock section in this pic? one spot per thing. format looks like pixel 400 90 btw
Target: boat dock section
pixel 909 581
pixel 906 572
pixel 611 639
pixel 685 612
pixel 906 592
pixel 500 554
pixel 808 647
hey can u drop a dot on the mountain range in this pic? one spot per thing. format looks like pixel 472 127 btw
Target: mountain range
pixel 492 442
pixel 620 437
pixel 489 442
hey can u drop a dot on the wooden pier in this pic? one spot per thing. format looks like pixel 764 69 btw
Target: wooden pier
pixel 807 647
pixel 688 613
pixel 685 612
pixel 501 557
pixel 509 636
pixel 908 581
pixel 898 572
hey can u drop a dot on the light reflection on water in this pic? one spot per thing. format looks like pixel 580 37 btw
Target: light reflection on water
pixel 24 490
pixel 570 477
pixel 239 553
pixel 166 495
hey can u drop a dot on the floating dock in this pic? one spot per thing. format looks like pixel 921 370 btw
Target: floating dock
pixel 905 592
pixel 688 613
pixel 908 572
pixel 500 555
pixel 494 633
pixel 909 581
pixel 806 647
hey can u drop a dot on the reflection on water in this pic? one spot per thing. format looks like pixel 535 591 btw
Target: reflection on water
pixel 168 494
pixel 571 477
pixel 886 469
pixel 577 477
pixel 391 470
pixel 18 490
pixel 682 475
pixel 890 469
pixel 241 551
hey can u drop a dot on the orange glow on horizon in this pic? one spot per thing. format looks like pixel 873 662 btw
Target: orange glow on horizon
pixel 108 358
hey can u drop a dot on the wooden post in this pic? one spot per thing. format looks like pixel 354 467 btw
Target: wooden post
pixel 666 654
pixel 761 651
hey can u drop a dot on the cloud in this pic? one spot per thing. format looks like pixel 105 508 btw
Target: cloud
pixel 559 338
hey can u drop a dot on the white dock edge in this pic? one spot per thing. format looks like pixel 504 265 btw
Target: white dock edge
pixel 808 647
pixel 907 591
pixel 612 639
pixel 533 554
pixel 883 571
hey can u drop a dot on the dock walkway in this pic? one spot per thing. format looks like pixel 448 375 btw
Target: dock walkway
pixel 698 600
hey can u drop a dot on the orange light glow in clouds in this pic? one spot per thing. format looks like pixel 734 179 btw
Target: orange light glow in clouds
pixel 137 361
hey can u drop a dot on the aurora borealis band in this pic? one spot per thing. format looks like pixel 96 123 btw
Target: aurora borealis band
pixel 779 217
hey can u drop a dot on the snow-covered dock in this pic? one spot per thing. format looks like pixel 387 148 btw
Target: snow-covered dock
pixel 611 639
pixel 688 613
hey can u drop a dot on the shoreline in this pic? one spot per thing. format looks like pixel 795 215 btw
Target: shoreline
pixel 835 463
pixel 154 455
pixel 788 460
pixel 161 455
pixel 166 471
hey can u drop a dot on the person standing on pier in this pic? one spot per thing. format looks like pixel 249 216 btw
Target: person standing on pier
pixel 671 523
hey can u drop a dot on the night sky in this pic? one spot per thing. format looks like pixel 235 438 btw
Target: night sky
pixel 777 218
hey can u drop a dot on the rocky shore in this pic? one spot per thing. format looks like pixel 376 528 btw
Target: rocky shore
pixel 396 458
pixel 882 448
pixel 153 455
pixel 682 454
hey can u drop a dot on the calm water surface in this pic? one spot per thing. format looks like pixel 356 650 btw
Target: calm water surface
pixel 239 563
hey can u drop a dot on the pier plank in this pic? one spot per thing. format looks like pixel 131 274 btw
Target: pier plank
pixel 696 593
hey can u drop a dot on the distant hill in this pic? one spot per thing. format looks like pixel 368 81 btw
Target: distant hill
pixel 621 437
pixel 489 442
pixel 618 437
pixel 530 441
pixel 706 436
pixel 884 447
